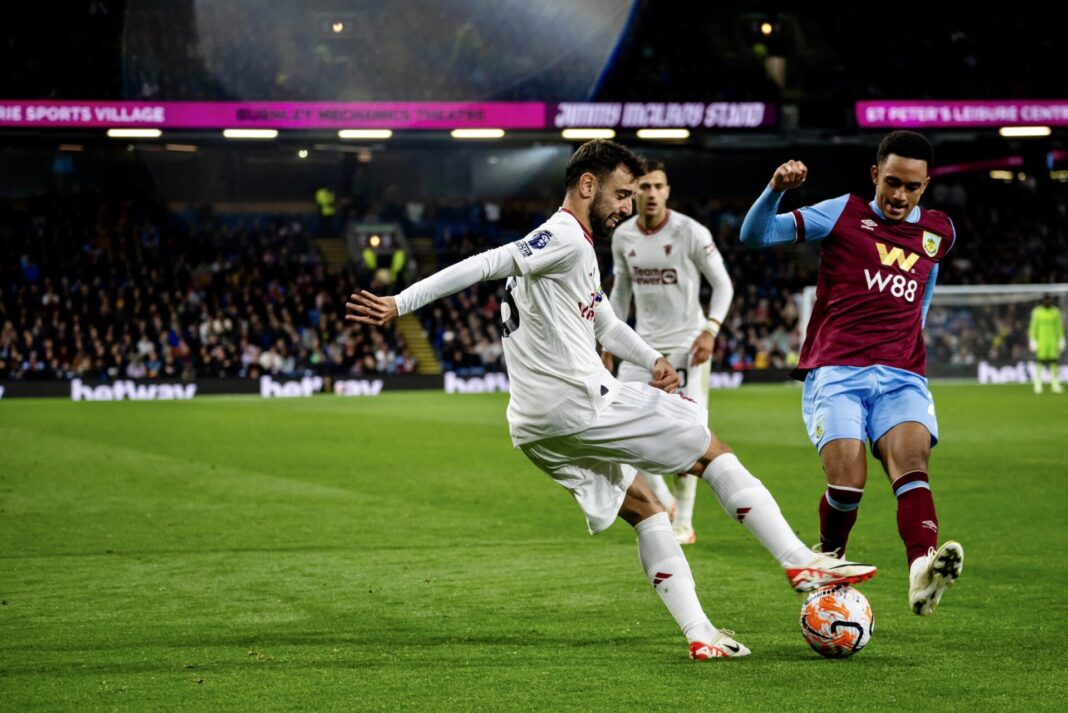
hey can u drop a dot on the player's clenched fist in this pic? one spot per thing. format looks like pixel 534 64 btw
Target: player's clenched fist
pixel 789 175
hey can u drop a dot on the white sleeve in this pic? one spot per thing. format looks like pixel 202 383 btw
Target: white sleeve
pixel 710 262
pixel 618 338
pixel 544 252
pixel 493 264
pixel 621 286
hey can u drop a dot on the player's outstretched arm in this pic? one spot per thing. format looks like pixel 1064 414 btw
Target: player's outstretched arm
pixel 495 264
pixel 367 308
pixel 762 227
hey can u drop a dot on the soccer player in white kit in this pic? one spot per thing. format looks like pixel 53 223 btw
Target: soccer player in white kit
pixel 658 258
pixel 584 428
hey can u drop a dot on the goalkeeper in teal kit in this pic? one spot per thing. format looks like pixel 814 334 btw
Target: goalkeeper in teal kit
pixel 1046 339
pixel 863 362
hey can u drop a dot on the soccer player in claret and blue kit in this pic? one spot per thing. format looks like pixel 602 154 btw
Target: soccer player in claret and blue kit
pixel 863 361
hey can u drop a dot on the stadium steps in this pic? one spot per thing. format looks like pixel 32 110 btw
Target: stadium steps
pixel 426 361
pixel 334 253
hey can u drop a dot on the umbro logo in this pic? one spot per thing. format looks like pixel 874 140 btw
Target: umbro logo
pixel 742 512
pixel 632 254
pixel 869 224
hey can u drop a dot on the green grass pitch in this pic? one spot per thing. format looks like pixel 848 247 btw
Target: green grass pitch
pixel 395 553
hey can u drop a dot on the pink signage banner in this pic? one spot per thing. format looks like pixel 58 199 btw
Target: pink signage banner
pixel 385 115
pixel 273 115
pixel 675 115
pixel 961 114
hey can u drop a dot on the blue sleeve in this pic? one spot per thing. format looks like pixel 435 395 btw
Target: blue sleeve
pixel 763 228
pixel 928 294
pixel 815 222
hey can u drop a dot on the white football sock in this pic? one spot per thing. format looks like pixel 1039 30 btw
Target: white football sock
pixel 685 495
pixel 747 500
pixel 660 489
pixel 668 571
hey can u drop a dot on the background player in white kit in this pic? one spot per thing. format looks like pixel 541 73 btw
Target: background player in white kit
pixel 584 428
pixel 658 258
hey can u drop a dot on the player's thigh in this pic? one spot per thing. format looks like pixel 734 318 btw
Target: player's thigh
pixel 651 430
pixel 834 405
pixel 845 462
pixel 598 487
pixel 905 448
pixel 640 503
pixel 904 407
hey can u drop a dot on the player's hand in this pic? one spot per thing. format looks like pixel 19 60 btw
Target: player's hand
pixel 664 376
pixel 1060 345
pixel 701 351
pixel 366 308
pixel 608 360
pixel 1032 345
pixel 789 175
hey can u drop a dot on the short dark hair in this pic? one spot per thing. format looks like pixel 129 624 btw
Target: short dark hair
pixel 651 166
pixel 600 158
pixel 906 144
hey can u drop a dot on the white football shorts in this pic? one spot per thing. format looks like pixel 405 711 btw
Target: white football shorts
pixel 643 428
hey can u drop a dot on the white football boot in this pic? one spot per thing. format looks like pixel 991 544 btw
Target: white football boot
pixel 722 647
pixel 684 534
pixel 931 575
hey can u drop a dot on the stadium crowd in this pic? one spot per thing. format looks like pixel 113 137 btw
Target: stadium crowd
pixel 105 289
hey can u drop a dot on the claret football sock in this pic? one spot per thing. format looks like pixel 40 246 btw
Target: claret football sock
pixel 917 522
pixel 838 513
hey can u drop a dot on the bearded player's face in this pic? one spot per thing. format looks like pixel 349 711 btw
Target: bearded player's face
pixel 613 202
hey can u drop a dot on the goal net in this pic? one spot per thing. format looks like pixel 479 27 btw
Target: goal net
pixel 976 331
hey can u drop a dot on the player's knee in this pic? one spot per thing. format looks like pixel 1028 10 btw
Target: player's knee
pixel 847 478
pixel 909 464
pixel 635 510
pixel 844 463
pixel 716 448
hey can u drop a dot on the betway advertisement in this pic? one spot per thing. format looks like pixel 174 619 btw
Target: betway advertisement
pixel 270 387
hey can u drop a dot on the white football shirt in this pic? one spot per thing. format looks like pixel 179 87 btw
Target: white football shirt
pixel 662 268
pixel 557 381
